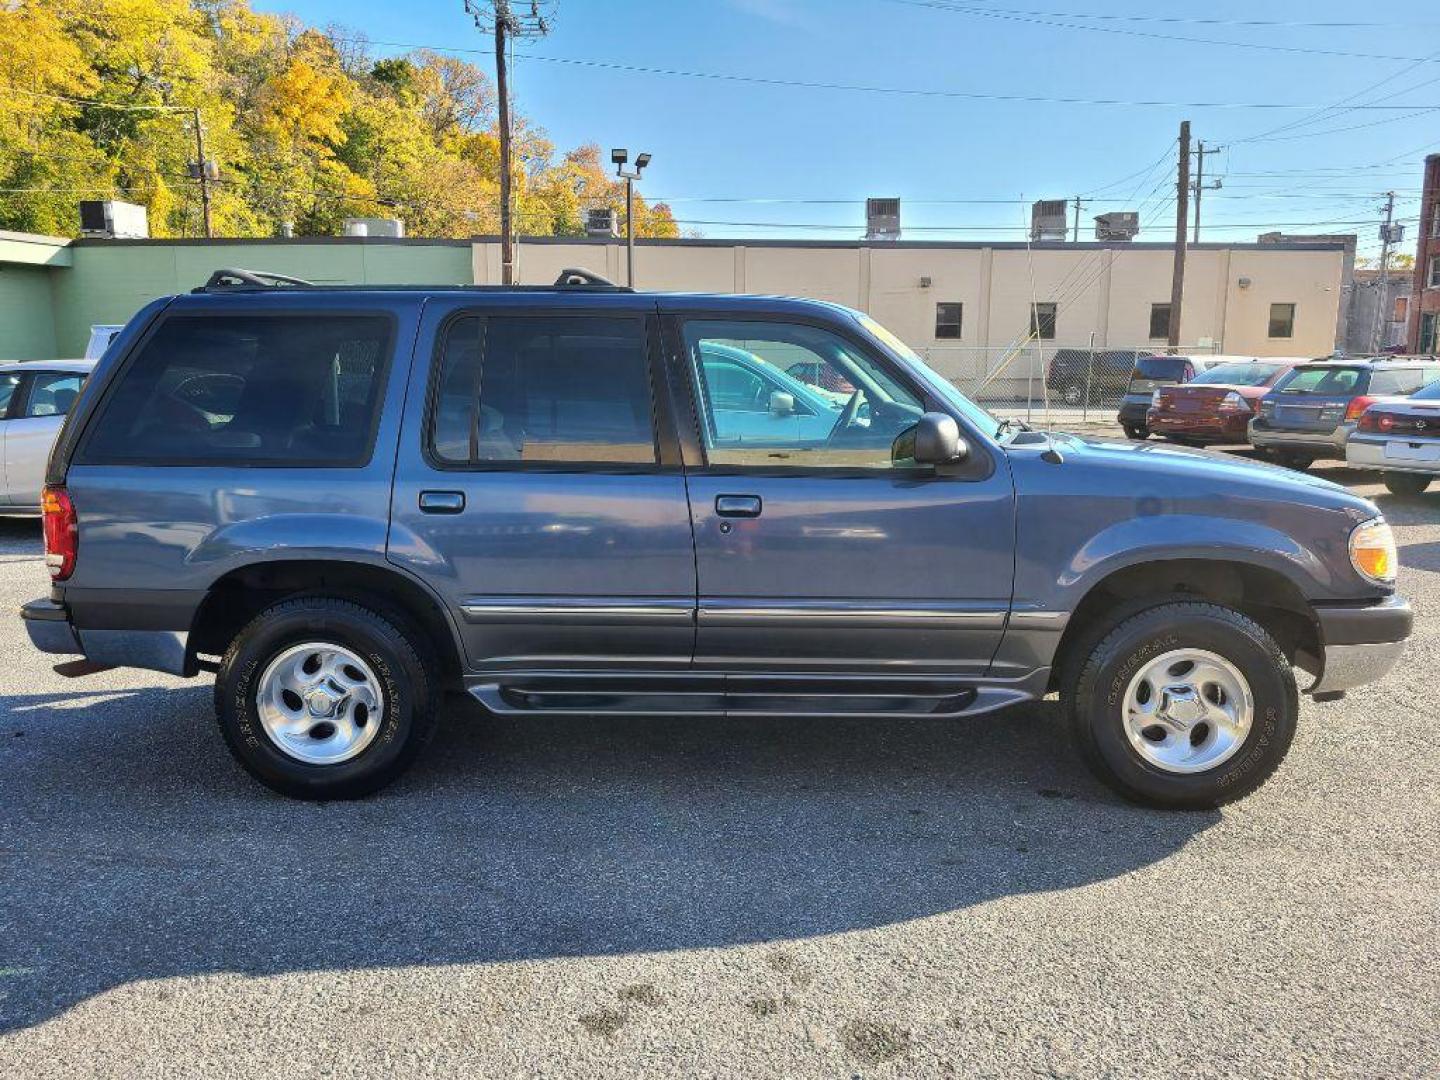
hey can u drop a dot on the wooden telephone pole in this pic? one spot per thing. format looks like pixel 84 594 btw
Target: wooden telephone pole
pixel 501 18
pixel 1182 219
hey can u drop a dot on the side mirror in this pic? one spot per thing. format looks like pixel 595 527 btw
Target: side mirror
pixel 781 403
pixel 936 440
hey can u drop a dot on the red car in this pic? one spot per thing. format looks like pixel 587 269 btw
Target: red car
pixel 1215 406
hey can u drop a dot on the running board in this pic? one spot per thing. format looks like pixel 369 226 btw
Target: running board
pixel 742 696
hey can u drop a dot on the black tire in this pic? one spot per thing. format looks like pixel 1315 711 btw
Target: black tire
pixel 408 685
pixel 1405 484
pixel 1138 432
pixel 1095 683
pixel 1294 459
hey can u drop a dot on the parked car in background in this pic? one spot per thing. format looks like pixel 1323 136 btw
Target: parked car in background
pixel 1072 373
pixel 1216 406
pixel 1311 412
pixel 1401 438
pixel 34 399
pixel 1151 373
pixel 580 500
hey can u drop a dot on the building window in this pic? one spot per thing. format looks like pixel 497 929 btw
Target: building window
pixel 947 320
pixel 1159 322
pixel 1432 273
pixel 1042 321
pixel 1435 219
pixel 1282 320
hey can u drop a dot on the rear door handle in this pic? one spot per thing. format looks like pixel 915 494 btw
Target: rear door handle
pixel 747 506
pixel 442 502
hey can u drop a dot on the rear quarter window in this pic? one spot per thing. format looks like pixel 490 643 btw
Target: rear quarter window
pixel 248 390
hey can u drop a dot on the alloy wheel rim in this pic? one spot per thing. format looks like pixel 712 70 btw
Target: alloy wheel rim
pixel 1188 711
pixel 320 703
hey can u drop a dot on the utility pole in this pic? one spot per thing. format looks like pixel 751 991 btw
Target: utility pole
pixel 502 90
pixel 1199 185
pixel 1078 205
pixel 202 171
pixel 497 17
pixel 1388 234
pixel 1182 219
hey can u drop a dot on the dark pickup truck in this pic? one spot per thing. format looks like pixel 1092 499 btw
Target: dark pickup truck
pixel 579 499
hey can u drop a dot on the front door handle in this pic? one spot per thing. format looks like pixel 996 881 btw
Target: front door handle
pixel 746 506
pixel 442 502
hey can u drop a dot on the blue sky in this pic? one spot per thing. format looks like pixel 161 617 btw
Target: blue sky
pixel 718 139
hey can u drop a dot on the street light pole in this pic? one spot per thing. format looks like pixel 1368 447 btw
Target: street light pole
pixel 618 158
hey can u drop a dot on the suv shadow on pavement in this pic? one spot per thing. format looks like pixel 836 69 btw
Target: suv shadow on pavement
pixel 130 849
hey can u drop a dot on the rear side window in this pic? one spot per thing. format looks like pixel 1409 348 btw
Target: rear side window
pixel 52 393
pixel 563 389
pixel 248 390
pixel 1329 381
pixel 8 384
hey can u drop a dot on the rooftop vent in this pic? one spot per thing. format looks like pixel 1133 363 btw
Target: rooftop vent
pixel 1119 225
pixel 1048 220
pixel 602 221
pixel 882 219
pixel 374 226
pixel 113 220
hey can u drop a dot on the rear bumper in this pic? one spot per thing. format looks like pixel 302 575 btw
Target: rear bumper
pixel 1362 643
pixel 1320 443
pixel 1219 429
pixel 1133 412
pixel 51 631
pixel 1368 452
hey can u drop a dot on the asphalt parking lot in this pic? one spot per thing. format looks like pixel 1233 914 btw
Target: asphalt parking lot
pixel 609 897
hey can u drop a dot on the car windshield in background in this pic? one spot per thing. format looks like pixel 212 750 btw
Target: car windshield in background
pixel 1329 381
pixel 1174 368
pixel 1240 374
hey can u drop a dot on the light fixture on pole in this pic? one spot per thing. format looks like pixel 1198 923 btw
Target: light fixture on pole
pixel 618 158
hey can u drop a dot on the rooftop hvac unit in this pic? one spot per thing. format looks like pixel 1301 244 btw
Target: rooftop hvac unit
pixel 113 220
pixel 374 226
pixel 602 221
pixel 882 219
pixel 1120 225
pixel 1049 220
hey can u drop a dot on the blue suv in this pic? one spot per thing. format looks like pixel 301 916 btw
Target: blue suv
pixel 579 499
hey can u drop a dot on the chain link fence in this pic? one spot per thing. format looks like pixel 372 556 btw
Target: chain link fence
pixel 1066 383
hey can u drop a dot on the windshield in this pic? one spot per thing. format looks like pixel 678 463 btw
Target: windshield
pixel 1240 374
pixel 981 418
pixel 1328 380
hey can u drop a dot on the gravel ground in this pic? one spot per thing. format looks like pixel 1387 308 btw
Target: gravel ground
pixel 627 897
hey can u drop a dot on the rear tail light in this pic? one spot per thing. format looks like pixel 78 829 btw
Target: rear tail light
pixel 61 534
pixel 1357 406
pixel 1376 421
pixel 1233 402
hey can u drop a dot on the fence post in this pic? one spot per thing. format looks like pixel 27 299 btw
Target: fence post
pixel 1089 374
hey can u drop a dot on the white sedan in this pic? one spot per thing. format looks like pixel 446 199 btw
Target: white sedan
pixel 34 398
pixel 1401 438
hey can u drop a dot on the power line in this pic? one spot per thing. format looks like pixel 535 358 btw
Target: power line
pixel 1001 15
pixel 1181 19
pixel 121 106
pixel 967 95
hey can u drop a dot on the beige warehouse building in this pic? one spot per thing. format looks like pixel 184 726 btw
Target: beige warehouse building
pixel 965 306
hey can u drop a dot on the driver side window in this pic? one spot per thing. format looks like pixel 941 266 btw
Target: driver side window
pixel 777 394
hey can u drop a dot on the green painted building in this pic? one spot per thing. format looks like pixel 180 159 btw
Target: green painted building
pixel 52 290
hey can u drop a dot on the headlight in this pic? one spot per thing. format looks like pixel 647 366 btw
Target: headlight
pixel 1372 551
pixel 1267 407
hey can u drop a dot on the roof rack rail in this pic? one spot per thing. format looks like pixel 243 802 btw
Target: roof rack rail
pixel 233 277
pixel 572 276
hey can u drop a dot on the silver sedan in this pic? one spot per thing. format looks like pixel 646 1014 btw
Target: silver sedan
pixel 34 398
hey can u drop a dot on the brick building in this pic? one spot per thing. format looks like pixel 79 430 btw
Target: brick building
pixel 1424 336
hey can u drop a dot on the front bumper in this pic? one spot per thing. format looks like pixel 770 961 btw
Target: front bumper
pixel 1325 444
pixel 51 631
pixel 1360 644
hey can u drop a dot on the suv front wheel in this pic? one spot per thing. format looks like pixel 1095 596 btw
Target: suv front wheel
pixel 321 698
pixel 1187 705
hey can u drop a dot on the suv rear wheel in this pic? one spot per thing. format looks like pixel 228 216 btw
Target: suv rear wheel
pixel 1136 431
pixel 321 698
pixel 1187 705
